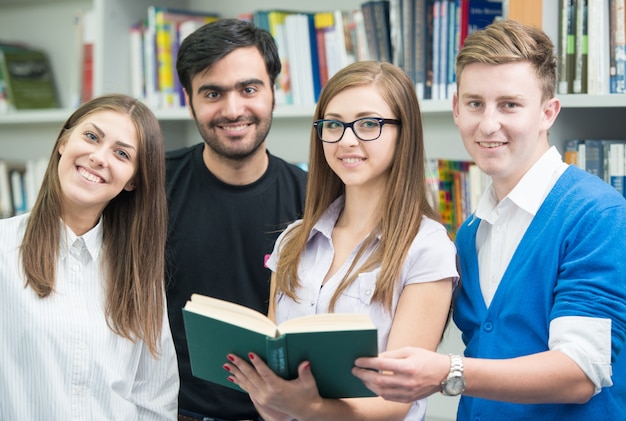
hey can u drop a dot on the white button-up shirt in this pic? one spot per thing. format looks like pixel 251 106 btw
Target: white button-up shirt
pixel 58 358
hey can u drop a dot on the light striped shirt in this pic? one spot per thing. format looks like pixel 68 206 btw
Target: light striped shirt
pixel 58 358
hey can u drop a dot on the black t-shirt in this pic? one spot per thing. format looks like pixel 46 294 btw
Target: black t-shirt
pixel 218 238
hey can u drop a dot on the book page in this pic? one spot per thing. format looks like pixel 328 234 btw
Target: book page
pixel 232 313
pixel 327 322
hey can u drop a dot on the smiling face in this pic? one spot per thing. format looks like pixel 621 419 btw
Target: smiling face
pixel 98 160
pixel 503 120
pixel 232 103
pixel 361 163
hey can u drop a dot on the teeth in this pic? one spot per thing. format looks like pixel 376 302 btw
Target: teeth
pixel 490 145
pixel 236 128
pixel 351 160
pixel 88 176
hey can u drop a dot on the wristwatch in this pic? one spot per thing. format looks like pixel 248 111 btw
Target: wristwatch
pixel 454 384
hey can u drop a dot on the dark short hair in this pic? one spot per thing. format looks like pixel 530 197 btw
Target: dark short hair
pixel 213 41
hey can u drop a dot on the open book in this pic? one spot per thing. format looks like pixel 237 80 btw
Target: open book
pixel 330 342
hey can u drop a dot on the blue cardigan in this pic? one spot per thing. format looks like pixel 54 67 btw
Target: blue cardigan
pixel 570 262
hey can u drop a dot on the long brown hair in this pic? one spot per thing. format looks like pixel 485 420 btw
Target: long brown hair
pixel 134 229
pixel 405 202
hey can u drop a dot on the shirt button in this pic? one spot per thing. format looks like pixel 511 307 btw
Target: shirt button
pixel 488 326
pixel 76 268
pixel 368 292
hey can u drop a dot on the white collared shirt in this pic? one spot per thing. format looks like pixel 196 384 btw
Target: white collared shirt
pixel 58 358
pixel 508 220
pixel 584 339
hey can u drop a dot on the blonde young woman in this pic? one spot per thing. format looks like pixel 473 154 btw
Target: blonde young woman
pixel 368 242
pixel 83 326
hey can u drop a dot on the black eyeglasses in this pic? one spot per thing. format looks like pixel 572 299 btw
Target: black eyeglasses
pixel 366 129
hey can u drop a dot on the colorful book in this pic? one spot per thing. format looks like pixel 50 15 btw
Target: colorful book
pixel 330 342
pixel 455 197
pixel 164 23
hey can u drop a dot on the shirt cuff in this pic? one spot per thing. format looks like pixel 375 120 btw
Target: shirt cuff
pixel 587 341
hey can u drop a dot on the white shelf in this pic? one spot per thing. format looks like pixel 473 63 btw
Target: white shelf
pixel 428 107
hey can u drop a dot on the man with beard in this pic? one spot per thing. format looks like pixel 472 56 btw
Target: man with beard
pixel 228 197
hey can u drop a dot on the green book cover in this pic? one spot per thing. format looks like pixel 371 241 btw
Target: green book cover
pixel 330 342
pixel 28 79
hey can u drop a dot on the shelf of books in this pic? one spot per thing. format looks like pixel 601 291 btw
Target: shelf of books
pixel 99 46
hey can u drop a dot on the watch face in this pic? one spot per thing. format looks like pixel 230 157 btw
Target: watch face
pixel 455 386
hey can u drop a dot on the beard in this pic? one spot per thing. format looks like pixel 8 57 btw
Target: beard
pixel 235 148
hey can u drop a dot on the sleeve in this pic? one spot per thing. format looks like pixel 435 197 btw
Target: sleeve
pixel 432 255
pixel 155 391
pixel 589 312
pixel 272 261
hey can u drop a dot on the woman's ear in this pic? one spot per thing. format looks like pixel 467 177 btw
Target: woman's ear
pixel 130 186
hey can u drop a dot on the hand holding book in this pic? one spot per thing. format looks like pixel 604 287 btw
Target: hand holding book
pixel 329 342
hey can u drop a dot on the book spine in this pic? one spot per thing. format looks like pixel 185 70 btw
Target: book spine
pixel 6 204
pixel 571 46
pixel 436 48
pixel 277 358
pixel 594 158
pixel 563 27
pixel 619 48
pixel 323 30
pixel 570 155
pixel 428 48
pixel 420 29
pixel 616 166
pixel 580 77
pixel 313 58
pixel 408 41
pixel 367 9
pixel 395 33
pixel 598 59
pixel 18 191
pixel 464 22
pixel 383 38
pixel 135 36
pixel 453 46
pixel 165 62
pixel 274 20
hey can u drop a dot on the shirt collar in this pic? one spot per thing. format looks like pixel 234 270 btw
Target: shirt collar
pixel 327 221
pixel 92 240
pixel 539 178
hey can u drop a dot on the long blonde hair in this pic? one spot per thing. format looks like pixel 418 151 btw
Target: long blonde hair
pixel 134 229
pixel 405 202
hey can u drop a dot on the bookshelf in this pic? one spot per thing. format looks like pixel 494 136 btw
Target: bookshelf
pixel 26 133
pixel 31 134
